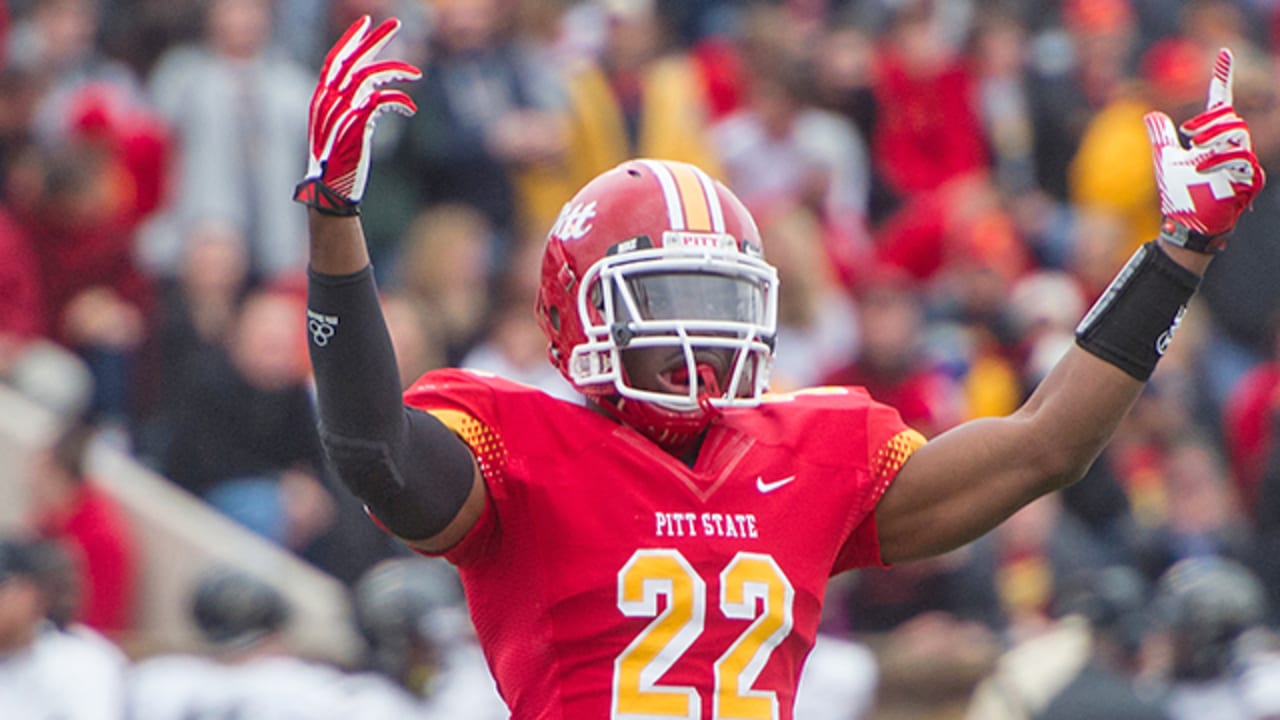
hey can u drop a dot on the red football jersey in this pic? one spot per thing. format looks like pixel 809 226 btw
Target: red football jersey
pixel 608 580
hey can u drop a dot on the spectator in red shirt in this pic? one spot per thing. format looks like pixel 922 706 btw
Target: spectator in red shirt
pixel 96 298
pixel 70 508
pixel 21 296
pixel 929 131
pixel 891 364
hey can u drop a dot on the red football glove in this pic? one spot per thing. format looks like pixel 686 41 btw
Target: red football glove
pixel 344 108
pixel 1206 171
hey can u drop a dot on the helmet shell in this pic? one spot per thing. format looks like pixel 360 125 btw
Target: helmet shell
pixel 668 213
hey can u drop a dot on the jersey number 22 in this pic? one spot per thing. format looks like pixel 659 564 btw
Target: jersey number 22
pixel 750 580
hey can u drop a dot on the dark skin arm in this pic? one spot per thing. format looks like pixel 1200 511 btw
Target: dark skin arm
pixel 968 480
pixel 953 490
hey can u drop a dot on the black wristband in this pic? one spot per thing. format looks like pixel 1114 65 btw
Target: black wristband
pixel 1174 232
pixel 312 192
pixel 1131 325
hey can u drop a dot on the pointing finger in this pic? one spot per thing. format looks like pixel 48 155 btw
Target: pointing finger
pixel 1220 85
pixel 1161 131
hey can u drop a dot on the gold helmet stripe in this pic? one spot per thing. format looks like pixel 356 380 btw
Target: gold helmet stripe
pixel 690 195
pixel 693 195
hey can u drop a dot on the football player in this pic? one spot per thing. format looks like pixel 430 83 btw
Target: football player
pixel 661 549
pixel 1212 614
pixel 412 615
pixel 248 668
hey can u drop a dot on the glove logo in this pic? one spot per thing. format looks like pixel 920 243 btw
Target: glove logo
pixel 322 327
pixel 1166 337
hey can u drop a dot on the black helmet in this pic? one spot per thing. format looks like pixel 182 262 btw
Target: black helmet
pixel 1114 601
pixel 233 608
pixel 408 609
pixel 55 570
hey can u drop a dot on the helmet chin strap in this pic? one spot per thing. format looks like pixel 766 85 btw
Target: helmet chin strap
pixel 677 442
pixel 708 383
pixel 675 431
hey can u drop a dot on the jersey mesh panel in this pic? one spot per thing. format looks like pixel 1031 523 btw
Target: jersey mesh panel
pixel 890 457
pixel 486 444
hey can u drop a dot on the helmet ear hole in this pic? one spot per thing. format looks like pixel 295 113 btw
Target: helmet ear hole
pixel 553 316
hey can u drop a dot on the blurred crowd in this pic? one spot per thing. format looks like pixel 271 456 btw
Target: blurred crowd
pixel 944 185
pixel 420 660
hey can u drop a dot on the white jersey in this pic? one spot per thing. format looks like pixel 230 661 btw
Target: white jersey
pixel 373 696
pixel 1261 680
pixel 188 687
pixel 464 689
pixel 64 675
pixel 1252 693
pixel 167 687
pixel 838 681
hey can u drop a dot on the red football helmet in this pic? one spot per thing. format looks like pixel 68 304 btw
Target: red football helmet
pixel 654 256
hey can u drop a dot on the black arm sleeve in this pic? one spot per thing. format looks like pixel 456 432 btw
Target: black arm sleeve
pixel 411 471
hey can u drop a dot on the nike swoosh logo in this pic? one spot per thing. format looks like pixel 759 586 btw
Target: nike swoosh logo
pixel 767 487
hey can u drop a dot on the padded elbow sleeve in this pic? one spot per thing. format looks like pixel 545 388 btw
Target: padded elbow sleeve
pixel 410 470
pixel 414 483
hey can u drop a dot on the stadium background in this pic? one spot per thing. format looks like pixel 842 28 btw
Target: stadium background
pixel 945 185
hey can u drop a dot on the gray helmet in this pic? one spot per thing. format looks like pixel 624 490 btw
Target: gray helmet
pixel 1207 603
pixel 1114 601
pixel 408 609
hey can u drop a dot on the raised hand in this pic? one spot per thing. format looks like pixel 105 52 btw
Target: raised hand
pixel 1206 170
pixel 345 106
